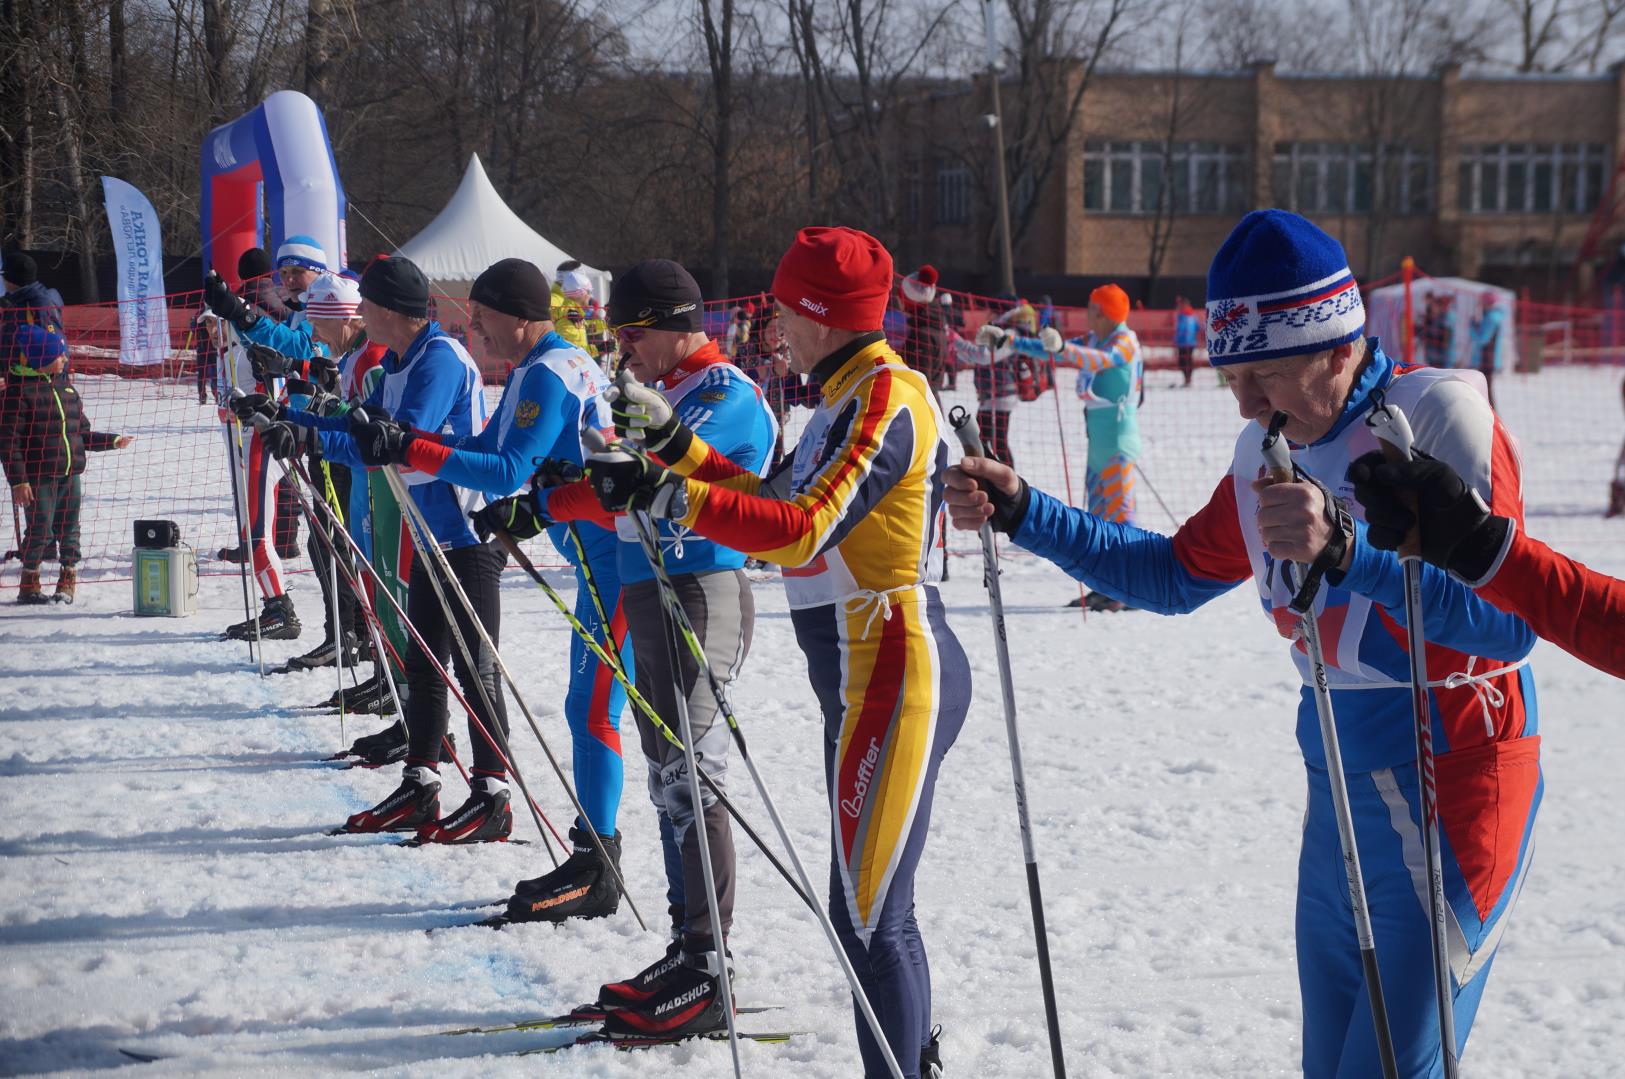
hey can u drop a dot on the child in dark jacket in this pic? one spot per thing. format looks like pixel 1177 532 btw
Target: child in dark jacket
pixel 44 436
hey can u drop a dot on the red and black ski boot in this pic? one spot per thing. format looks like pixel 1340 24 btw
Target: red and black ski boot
pixel 414 804
pixel 688 1002
pixel 487 817
pixel 583 887
pixel 646 983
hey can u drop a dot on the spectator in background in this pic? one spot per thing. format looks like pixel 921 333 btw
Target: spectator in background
pixel 1110 374
pixel 1437 329
pixel 953 324
pixel 1021 317
pixel 26 300
pixel 570 290
pixel 736 343
pixel 993 371
pixel 1616 489
pixel 1487 340
pixel 44 435
pixel 925 337
pixel 1186 328
pixel 1046 311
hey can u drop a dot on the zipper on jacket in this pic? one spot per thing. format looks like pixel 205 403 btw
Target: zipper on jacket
pixel 67 447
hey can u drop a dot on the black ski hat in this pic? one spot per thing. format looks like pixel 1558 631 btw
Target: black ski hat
pixel 658 294
pixel 514 287
pixel 255 262
pixel 20 269
pixel 398 285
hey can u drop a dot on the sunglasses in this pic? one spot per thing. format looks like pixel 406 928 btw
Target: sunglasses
pixel 630 334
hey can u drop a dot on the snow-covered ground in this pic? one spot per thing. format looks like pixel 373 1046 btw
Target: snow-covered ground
pixel 165 885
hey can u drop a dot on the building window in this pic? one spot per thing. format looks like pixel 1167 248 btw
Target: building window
pixel 1347 177
pixel 1174 178
pixel 953 195
pixel 1531 178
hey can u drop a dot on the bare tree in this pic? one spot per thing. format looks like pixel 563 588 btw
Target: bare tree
pixel 717 24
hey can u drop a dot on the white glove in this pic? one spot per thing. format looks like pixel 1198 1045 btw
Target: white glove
pixel 1051 339
pixel 640 413
pixel 991 336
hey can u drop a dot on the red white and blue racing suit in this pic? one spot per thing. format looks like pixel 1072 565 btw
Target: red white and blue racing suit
pixel 1481 690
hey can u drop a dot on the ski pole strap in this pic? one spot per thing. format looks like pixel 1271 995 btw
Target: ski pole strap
pixel 1337 515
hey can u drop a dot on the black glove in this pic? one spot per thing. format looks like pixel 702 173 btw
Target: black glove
pixel 1457 531
pixel 1008 510
pixel 381 441
pixel 268 363
pixel 324 372
pixel 219 298
pixel 626 480
pixel 517 515
pixel 282 440
pixel 555 472
pixel 249 405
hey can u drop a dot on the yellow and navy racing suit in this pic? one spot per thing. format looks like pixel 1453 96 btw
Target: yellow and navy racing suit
pixel 855 517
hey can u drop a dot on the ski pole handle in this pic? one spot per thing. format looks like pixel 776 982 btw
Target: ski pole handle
pixel 964 425
pixel 1397 442
pixel 1277 454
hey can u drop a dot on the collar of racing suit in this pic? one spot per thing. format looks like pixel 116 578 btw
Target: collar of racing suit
pixel 1375 376
pixel 828 370
pixel 698 360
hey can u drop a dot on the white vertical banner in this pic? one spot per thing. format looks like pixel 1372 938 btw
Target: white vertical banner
pixel 143 319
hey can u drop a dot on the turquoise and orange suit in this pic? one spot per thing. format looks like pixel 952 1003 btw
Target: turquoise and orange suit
pixel 855 517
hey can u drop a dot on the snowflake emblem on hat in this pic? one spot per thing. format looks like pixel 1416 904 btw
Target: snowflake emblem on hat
pixel 1227 319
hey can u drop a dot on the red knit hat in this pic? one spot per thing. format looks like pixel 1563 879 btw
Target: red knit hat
pixel 836 276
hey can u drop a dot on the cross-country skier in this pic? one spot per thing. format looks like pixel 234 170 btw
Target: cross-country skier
pixel 655 310
pixel 1110 373
pixel 1578 609
pixel 551 398
pixel 431 383
pixel 298 261
pixel 1286 323
pixel 855 517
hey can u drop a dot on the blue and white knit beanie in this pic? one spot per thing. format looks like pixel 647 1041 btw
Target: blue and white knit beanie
pixel 301 251
pixel 1279 287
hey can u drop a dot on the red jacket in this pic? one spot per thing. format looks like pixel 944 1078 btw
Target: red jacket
pixel 1578 609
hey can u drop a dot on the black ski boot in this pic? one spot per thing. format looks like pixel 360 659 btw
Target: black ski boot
pixel 237 554
pixel 580 888
pixel 277 622
pixel 389 746
pixel 688 1001
pixel 325 654
pixel 931 1055
pixel 1100 602
pixel 416 802
pixel 646 982
pixel 487 817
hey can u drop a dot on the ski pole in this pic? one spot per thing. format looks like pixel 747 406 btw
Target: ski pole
pixel 1393 430
pixel 972 443
pixel 669 600
pixel 240 475
pixel 608 654
pixel 338 624
pixel 1066 467
pixel 651 548
pixel 437 563
pixel 439 668
pixel 1278 460
pixel 410 508
pixel 369 612
pixel 1156 495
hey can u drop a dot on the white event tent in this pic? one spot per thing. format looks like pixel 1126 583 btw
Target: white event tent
pixel 477 228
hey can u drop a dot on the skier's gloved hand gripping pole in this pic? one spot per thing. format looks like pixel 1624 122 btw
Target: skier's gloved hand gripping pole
pixel 1278 460
pixel 239 488
pixel 426 541
pixel 1392 429
pixel 965 426
pixel 648 539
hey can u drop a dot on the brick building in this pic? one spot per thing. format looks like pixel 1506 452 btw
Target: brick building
pixel 1494 178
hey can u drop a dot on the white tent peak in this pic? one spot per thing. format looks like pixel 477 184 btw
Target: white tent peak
pixel 477 228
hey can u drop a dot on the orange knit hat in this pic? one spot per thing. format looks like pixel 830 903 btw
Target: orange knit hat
pixel 1112 301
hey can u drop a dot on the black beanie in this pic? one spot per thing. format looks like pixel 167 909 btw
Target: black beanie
pixel 255 262
pixel 397 285
pixel 658 294
pixel 514 287
pixel 20 269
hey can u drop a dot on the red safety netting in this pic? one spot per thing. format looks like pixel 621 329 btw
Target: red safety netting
pixel 176 465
